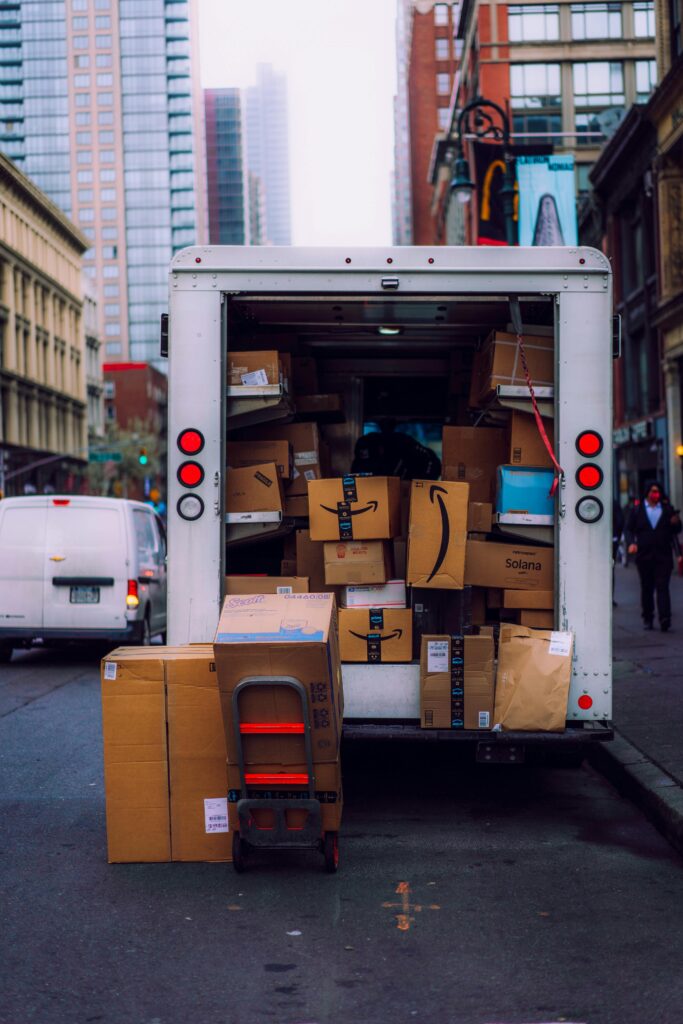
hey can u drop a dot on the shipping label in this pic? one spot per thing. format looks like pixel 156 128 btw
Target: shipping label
pixel 216 815
pixel 305 458
pixel 256 378
pixel 437 655
pixel 110 668
pixel 560 644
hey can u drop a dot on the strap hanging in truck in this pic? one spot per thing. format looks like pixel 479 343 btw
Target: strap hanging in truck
pixel 516 317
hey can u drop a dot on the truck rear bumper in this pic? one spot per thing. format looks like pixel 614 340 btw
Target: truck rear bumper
pixel 575 736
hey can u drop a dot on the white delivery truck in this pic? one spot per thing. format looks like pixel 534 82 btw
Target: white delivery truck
pixel 80 567
pixel 394 329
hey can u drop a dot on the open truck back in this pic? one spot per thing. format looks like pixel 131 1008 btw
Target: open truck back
pixel 393 332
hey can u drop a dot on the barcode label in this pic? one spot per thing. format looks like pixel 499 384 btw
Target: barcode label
pixel 484 719
pixel 110 669
pixel 305 458
pixel 255 379
pixel 216 815
pixel 309 474
pixel 284 590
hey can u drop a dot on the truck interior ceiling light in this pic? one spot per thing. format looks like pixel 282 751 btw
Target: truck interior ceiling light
pixel 190 474
pixel 190 507
pixel 589 476
pixel 589 510
pixel 190 441
pixel 585 702
pixel 389 331
pixel 132 599
pixel 589 443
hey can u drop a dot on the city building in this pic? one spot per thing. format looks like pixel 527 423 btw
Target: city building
pixel 565 73
pixel 100 105
pixel 267 142
pixel 136 405
pixel 43 354
pixel 94 384
pixel 226 175
pixel 401 206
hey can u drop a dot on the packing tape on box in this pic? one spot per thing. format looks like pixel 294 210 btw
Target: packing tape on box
pixel 457 682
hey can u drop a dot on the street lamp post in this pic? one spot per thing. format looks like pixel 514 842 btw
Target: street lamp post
pixel 478 120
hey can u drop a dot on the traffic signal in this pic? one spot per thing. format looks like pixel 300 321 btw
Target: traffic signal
pixel 142 457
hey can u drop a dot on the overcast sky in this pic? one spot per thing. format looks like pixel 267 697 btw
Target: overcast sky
pixel 339 58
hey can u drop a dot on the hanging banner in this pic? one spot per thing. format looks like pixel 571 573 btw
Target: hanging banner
pixel 547 200
pixel 489 168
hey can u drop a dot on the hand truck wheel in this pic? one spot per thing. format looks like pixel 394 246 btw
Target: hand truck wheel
pixel 331 852
pixel 239 851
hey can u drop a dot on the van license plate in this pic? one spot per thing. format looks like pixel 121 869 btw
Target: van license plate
pixel 85 595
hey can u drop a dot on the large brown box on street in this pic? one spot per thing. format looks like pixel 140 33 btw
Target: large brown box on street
pixel 376 635
pixel 357 561
pixel 437 536
pixel 307 454
pixel 501 362
pixel 509 566
pixel 525 445
pixel 253 368
pixel 254 489
pixel 256 453
pixel 164 755
pixel 271 635
pixel 355 508
pixel 463 699
pixel 266 585
pixel 472 455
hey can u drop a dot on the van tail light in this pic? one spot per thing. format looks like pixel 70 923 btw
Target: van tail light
pixel 61 501
pixel 132 599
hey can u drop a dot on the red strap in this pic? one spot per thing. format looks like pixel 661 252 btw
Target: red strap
pixel 559 472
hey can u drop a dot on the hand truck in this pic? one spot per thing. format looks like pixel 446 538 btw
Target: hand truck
pixel 280 836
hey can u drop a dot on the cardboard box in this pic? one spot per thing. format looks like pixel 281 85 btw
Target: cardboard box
pixel 305 375
pixel 525 444
pixel 472 455
pixel 254 489
pixel 164 756
pixel 438 533
pixel 479 517
pixel 328 790
pixel 283 635
pixel 357 561
pixel 310 561
pixel 456 682
pixel 376 635
pixel 288 568
pixel 525 490
pixel 296 505
pixel 355 508
pixel 501 362
pixel 544 599
pixel 537 618
pixel 440 611
pixel 304 439
pixel 253 368
pixel 509 566
pixel 256 453
pixel 400 552
pixel 391 594
pixel 318 405
pixel 266 585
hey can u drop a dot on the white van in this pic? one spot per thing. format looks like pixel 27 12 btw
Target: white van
pixel 80 568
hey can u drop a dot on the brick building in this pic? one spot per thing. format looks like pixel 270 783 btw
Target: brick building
pixel 136 402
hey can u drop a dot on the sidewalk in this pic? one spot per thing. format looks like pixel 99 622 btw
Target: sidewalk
pixel 645 759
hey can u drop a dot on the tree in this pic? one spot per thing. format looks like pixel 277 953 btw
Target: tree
pixel 129 478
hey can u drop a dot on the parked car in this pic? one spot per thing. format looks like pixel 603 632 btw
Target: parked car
pixel 80 568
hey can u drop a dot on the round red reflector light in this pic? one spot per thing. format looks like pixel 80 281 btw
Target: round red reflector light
pixel 190 441
pixel 585 702
pixel 589 443
pixel 190 474
pixel 589 476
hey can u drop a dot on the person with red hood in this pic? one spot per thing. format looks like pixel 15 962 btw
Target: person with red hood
pixel 651 529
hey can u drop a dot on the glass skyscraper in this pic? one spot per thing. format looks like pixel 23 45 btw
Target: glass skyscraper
pixel 100 105
pixel 267 137
pixel 226 172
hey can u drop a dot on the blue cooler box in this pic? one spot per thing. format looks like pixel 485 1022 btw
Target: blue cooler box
pixel 523 490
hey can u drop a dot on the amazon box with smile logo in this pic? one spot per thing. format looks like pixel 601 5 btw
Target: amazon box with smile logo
pixel 438 534
pixel 355 508
pixel 376 635
pixel 271 636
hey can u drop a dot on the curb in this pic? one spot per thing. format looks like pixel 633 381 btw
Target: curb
pixel 655 792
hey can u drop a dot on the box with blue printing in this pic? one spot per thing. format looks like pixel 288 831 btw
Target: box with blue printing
pixel 524 490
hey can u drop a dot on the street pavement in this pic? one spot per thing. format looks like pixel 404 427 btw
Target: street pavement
pixel 646 758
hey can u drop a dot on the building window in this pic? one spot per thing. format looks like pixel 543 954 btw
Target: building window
pixel 676 26
pixel 82 118
pixel 112 330
pixel 103 42
pixel 535 85
pixel 85 195
pixel 105 117
pixel 82 81
pixel 108 195
pixel 112 310
pixel 106 156
pixel 82 99
pixel 104 99
pixel 646 79
pixel 109 213
pixel 86 214
pixel 78 24
pixel 644 20
pixel 443 84
pixel 443 118
pixel 441 14
pixel 107 175
pixel 532 23
pixel 583 185
pixel 105 138
pixel 105 79
pixel 111 291
pixel 103 60
pixel 84 177
pixel 103 21
pixel 529 125
pixel 112 271
pixel 598 86
pixel 83 138
pixel 596 21
pixel 80 42
pixel 82 60
pixel 441 48
pixel 84 156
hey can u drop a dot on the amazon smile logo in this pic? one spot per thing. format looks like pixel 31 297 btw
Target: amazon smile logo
pixel 395 634
pixel 371 506
pixel 437 491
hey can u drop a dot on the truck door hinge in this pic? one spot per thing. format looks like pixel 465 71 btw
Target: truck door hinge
pixel 163 348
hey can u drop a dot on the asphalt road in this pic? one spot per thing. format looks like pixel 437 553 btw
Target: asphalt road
pixel 531 895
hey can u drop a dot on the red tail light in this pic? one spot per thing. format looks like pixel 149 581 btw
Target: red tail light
pixel 132 599
pixel 589 443
pixel 190 441
pixel 61 501
pixel 190 474
pixel 585 702
pixel 589 476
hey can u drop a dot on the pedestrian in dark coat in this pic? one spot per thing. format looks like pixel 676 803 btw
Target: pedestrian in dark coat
pixel 651 529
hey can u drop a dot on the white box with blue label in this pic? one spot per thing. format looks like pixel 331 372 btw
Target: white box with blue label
pixel 525 491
